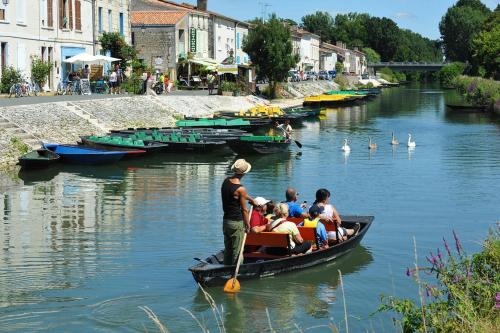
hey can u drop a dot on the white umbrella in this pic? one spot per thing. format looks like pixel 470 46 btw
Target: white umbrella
pixel 100 59
pixel 81 58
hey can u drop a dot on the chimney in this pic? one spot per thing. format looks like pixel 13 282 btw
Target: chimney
pixel 202 5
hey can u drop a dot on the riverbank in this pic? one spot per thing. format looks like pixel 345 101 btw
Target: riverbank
pixel 479 91
pixel 23 127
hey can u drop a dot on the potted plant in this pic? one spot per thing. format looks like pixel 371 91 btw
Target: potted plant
pixel 228 88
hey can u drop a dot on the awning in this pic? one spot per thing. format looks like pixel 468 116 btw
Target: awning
pixel 227 69
pixel 203 62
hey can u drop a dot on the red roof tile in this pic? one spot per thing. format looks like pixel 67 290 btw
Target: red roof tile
pixel 165 17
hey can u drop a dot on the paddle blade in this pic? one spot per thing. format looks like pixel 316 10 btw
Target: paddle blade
pixel 298 144
pixel 232 286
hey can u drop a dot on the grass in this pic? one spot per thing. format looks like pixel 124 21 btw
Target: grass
pixel 19 145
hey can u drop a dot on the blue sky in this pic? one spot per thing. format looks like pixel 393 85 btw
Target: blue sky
pixel 421 16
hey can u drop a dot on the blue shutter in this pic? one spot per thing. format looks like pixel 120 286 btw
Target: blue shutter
pixel 121 24
pixel 100 18
pixel 237 59
pixel 237 40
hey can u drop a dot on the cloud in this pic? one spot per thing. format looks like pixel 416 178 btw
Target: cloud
pixel 404 15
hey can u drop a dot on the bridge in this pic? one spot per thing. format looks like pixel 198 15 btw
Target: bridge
pixel 407 66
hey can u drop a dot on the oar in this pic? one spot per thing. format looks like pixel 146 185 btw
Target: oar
pixel 290 136
pixel 296 142
pixel 233 285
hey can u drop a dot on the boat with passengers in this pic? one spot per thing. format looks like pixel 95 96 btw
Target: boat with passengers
pixel 211 271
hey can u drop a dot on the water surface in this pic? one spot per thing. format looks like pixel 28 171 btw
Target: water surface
pixel 82 248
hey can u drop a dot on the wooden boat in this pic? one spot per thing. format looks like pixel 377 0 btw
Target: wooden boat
pixel 83 155
pixel 259 145
pixel 212 271
pixel 332 100
pixel 305 112
pixel 118 143
pixel 40 158
pixel 209 134
pixel 199 123
pixel 466 108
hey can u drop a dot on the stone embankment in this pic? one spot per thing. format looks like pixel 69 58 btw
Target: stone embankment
pixel 23 127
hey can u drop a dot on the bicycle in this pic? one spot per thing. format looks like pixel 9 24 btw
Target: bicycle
pixel 16 90
pixel 33 88
pixel 61 88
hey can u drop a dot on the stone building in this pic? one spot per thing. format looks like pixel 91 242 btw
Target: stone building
pixel 328 57
pixel 161 38
pixel 306 45
pixel 52 30
pixel 111 16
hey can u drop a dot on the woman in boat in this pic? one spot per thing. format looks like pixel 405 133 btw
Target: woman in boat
pixel 297 243
pixel 330 215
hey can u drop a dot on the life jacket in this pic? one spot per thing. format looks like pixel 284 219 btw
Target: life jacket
pixel 311 223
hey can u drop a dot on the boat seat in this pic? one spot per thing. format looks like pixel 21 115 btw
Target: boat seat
pixel 295 220
pixel 268 239
pixel 309 234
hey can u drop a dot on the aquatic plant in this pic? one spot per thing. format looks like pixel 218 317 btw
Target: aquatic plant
pixel 461 298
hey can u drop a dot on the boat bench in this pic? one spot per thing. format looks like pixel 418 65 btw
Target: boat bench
pixel 309 234
pixel 328 226
pixel 268 239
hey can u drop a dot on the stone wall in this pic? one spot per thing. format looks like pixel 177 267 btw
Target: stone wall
pixel 156 42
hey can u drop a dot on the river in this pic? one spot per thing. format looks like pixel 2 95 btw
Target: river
pixel 82 248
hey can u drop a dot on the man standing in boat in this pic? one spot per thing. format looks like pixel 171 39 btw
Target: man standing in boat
pixel 236 220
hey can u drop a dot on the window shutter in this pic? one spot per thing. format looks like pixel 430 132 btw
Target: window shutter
pixel 70 19
pixel 78 15
pixel 61 14
pixel 50 18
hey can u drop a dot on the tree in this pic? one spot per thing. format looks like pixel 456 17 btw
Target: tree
pixel 269 45
pixel 371 55
pixel 459 26
pixel 448 73
pixel 487 45
pixel 383 37
pixel 40 70
pixel 116 44
pixel 319 23
pixel 339 67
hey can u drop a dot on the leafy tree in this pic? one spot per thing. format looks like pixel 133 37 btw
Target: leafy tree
pixel 339 67
pixel 319 23
pixel 40 70
pixel 487 45
pixel 289 22
pixel 10 76
pixel 448 73
pixel 371 55
pixel 459 26
pixel 116 44
pixel 383 37
pixel 269 45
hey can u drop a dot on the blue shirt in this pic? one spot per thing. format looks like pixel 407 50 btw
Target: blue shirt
pixel 321 235
pixel 294 209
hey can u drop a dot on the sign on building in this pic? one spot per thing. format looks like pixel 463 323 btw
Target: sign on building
pixel 192 40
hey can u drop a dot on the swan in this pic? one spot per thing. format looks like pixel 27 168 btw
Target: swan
pixel 371 145
pixel 346 147
pixel 411 144
pixel 394 141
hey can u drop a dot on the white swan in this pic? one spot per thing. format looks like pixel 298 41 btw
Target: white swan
pixel 411 144
pixel 394 141
pixel 346 147
pixel 371 145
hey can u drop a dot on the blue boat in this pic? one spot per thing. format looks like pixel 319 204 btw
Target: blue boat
pixel 83 155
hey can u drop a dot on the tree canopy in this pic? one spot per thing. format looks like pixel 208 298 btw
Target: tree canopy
pixel 459 26
pixel 269 45
pixel 487 45
pixel 379 34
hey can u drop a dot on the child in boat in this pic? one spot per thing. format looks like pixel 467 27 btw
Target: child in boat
pixel 314 222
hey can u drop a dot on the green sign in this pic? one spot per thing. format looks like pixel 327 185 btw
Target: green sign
pixel 192 40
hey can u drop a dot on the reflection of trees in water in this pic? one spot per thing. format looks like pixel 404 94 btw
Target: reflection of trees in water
pixel 288 297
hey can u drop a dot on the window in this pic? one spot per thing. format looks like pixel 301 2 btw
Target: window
pixel 21 11
pixel 2 14
pixel 109 19
pixel 50 15
pixel 65 14
pixel 121 24
pixel 78 15
pixel 3 55
pixel 132 36
pixel 99 18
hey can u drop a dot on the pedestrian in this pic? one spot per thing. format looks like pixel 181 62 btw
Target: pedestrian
pixel 119 78
pixel 166 84
pixel 86 72
pixel 236 220
pixel 162 81
pixel 112 82
pixel 211 82
pixel 144 78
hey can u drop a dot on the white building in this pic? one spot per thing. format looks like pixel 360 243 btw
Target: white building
pixel 306 45
pixel 328 57
pixel 228 37
pixel 55 30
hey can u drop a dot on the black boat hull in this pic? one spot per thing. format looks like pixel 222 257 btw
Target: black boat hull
pixel 212 272
pixel 109 146
pixel 252 147
pixel 39 159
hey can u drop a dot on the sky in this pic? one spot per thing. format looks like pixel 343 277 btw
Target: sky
pixel 420 16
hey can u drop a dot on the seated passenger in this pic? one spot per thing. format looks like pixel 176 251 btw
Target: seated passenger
pixel 295 209
pixel 258 222
pixel 314 222
pixel 330 215
pixel 271 205
pixel 297 243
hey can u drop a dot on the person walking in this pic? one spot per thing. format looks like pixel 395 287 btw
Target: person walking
pixel 211 82
pixel 236 219
pixel 113 78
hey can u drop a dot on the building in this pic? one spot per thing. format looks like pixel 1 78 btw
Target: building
pixel 328 57
pixel 111 16
pixel 306 45
pixel 55 30
pixel 161 38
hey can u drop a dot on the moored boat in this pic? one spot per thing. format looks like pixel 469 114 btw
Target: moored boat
pixel 259 144
pixel 212 271
pixel 83 155
pixel 332 100
pixel 466 107
pixel 40 158
pixel 119 143
pixel 305 112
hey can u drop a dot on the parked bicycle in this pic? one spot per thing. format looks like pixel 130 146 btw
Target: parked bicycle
pixel 16 90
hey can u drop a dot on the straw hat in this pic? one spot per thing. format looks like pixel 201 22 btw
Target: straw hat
pixel 241 167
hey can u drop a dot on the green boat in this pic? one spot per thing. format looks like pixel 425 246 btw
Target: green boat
pixel 237 123
pixel 306 112
pixel 347 92
pixel 259 144
pixel 37 159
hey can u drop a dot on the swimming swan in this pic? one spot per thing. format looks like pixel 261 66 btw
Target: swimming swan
pixel 411 144
pixel 346 147
pixel 371 145
pixel 394 141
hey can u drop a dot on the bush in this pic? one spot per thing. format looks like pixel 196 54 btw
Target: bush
pixel 462 296
pixel 342 82
pixel 10 76
pixel 228 86
pixel 40 70
pixel 478 91
pixel 339 67
pixel 449 72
